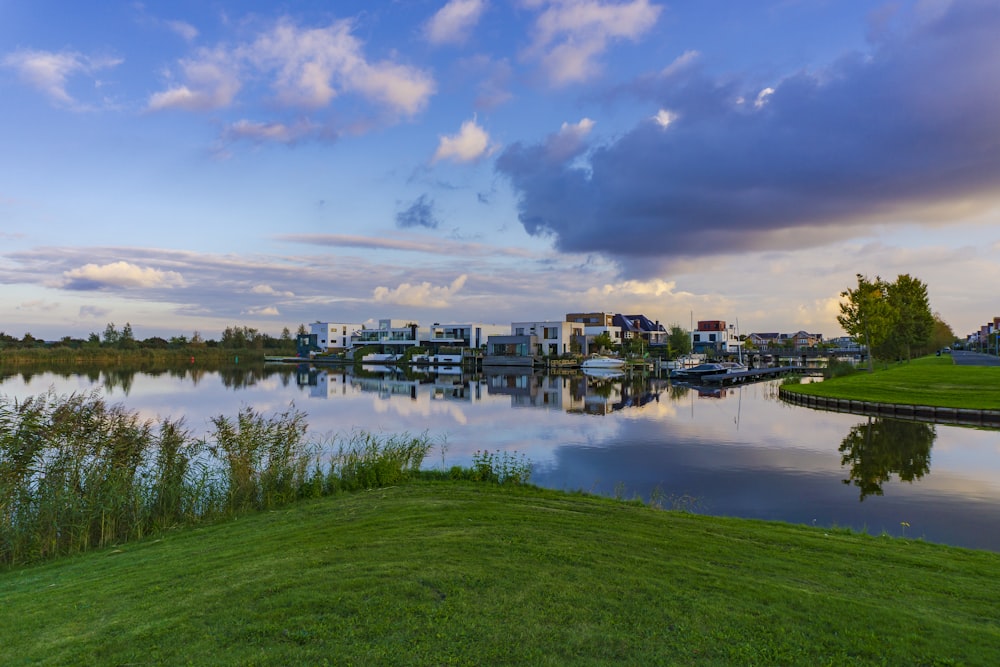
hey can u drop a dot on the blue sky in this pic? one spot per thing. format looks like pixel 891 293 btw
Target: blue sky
pixel 186 166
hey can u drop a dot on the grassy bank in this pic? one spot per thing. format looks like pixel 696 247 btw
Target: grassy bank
pixel 933 381
pixel 434 573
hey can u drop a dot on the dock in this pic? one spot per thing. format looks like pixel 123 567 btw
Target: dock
pixel 756 374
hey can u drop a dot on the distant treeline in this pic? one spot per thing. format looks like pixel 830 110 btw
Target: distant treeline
pixel 120 345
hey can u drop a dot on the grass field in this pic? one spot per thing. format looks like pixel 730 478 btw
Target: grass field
pixel 439 573
pixel 933 381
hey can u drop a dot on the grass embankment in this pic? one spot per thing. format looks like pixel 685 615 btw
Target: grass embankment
pixel 932 381
pixel 434 573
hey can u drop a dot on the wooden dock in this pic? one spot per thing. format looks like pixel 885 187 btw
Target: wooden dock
pixel 757 374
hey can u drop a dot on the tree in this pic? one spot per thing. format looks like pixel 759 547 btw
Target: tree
pixel 913 322
pixel 111 335
pixel 678 342
pixel 603 341
pixel 126 339
pixel 867 314
pixel 942 335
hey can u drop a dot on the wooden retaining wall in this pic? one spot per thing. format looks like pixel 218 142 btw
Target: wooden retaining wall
pixel 926 413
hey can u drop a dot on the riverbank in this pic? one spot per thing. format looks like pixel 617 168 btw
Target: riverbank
pixel 464 573
pixel 926 386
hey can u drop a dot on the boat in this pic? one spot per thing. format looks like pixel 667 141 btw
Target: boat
pixel 712 368
pixel 600 361
pixel 698 371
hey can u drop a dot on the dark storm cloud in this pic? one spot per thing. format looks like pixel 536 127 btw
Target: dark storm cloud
pixel 419 214
pixel 908 131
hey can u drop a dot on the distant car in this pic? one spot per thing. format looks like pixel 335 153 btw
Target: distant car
pixel 947 350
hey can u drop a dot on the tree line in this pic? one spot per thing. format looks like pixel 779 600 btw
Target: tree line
pixel 893 319
pixel 114 338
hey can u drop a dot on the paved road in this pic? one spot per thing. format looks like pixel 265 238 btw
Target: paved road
pixel 964 358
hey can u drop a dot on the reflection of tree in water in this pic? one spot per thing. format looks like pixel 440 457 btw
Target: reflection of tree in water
pixel 884 446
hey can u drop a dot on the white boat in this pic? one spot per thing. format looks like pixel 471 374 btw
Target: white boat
pixel 600 361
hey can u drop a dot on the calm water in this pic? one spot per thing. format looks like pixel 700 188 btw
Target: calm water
pixel 736 452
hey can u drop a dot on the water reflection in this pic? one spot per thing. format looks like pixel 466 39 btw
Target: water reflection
pixel 876 449
pixel 737 451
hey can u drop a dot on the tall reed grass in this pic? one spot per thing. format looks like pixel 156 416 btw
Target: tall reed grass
pixel 78 473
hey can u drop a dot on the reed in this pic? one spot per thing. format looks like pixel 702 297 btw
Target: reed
pixel 78 473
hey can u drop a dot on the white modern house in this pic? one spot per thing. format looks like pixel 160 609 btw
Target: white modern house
pixel 394 336
pixel 553 337
pixel 472 335
pixel 335 335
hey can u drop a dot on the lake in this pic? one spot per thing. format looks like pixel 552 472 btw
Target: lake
pixel 737 451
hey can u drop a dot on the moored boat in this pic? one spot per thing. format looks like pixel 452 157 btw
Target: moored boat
pixel 601 361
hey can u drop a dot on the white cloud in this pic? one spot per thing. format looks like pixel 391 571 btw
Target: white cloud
pixel 569 35
pixel 453 22
pixel 213 79
pixel 424 294
pixel 119 274
pixel 628 288
pixel 664 118
pixel 264 310
pixel 267 289
pixel 471 143
pixel 309 65
pixel 49 72
pixel 762 97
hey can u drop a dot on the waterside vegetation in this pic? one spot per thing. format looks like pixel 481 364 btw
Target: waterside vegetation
pixel 78 473
pixel 931 381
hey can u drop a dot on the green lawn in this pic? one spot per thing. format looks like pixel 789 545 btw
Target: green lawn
pixel 437 573
pixel 933 381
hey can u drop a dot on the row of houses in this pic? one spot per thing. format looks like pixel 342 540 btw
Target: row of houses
pixel 575 333
pixel 986 338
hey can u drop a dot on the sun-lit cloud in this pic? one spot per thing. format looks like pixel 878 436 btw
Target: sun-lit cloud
pixel 119 275
pixel 423 294
pixel 211 81
pixel 266 311
pixel 471 143
pixel 307 68
pixel 270 291
pixel 452 23
pixel 570 35
pixel 49 72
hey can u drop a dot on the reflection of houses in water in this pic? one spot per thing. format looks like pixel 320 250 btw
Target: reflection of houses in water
pixel 578 394
pixel 534 390
pixel 328 383
pixel 569 393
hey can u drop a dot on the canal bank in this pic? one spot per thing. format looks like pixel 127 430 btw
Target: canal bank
pixel 960 389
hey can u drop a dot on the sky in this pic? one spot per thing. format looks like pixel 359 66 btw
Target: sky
pixel 191 165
